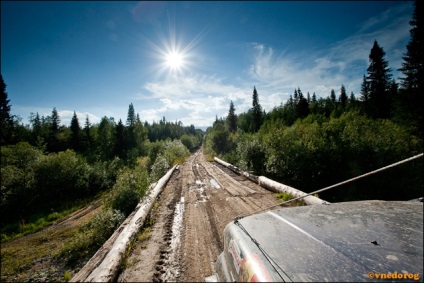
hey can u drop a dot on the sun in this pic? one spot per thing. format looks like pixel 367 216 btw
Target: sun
pixel 174 60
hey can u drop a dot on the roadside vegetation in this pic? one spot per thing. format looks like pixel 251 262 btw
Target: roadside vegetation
pixel 49 171
pixel 311 142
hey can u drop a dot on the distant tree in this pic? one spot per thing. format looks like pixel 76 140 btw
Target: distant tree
pixel 232 118
pixel 412 98
pixel 302 107
pixel 120 139
pixel 333 97
pixel 343 97
pixel 75 133
pixel 352 103
pixel 131 118
pixel 54 142
pixel 290 111
pixel 256 112
pixel 378 80
pixel 106 138
pixel 88 136
pixel 6 121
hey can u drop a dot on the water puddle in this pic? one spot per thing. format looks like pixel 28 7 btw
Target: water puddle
pixel 214 184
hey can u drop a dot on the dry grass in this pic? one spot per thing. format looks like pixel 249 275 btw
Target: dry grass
pixel 35 257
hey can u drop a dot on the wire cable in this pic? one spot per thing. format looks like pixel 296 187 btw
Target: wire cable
pixel 338 184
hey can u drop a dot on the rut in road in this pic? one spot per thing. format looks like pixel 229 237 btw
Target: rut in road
pixel 186 238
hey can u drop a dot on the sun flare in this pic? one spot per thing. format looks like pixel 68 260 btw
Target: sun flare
pixel 174 60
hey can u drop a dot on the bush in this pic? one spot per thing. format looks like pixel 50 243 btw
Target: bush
pixel 103 224
pixel 159 168
pixel 130 186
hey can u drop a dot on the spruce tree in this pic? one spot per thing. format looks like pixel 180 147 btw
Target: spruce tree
pixel 6 121
pixel 256 113
pixel 54 132
pixel 120 140
pixel 343 97
pixel 88 136
pixel 232 118
pixel 412 86
pixel 75 133
pixel 378 80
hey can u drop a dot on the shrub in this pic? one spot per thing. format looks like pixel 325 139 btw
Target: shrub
pixel 130 186
pixel 159 168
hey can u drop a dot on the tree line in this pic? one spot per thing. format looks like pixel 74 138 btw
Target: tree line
pixel 46 165
pixel 310 143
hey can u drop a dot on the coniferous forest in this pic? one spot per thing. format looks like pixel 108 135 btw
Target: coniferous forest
pixel 310 143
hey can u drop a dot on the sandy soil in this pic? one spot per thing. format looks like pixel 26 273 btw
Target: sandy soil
pixel 200 199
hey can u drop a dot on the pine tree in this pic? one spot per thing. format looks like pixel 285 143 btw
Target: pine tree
pixel 75 133
pixel 6 121
pixel 302 107
pixel 120 140
pixel 256 112
pixel 412 92
pixel 53 143
pixel 232 118
pixel 343 97
pixel 333 98
pixel 131 118
pixel 378 80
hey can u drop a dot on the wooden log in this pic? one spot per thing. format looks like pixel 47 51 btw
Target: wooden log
pixel 281 188
pixel 104 265
pixel 273 185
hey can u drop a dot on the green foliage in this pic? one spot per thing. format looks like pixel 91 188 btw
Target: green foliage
pixel 103 224
pixel 92 235
pixel 130 186
pixel 159 168
pixel 251 153
pixel 175 152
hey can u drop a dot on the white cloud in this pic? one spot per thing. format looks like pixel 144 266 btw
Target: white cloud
pixel 193 99
pixel 343 63
pixel 197 98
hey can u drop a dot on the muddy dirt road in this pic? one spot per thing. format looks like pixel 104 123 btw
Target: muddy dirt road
pixel 187 236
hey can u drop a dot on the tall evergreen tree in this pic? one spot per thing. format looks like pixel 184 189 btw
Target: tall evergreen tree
pixel 232 118
pixel 131 118
pixel 256 112
pixel 53 142
pixel 333 98
pixel 412 94
pixel 130 139
pixel 75 133
pixel 378 82
pixel 120 140
pixel 343 97
pixel 302 107
pixel 6 121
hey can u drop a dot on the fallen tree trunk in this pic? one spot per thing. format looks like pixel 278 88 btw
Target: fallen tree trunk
pixel 281 188
pixel 104 265
pixel 272 185
pixel 235 169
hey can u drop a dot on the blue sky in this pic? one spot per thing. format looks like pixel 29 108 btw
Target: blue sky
pixel 187 60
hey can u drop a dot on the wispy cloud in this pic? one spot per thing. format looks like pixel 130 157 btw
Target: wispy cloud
pixel 343 63
pixel 196 98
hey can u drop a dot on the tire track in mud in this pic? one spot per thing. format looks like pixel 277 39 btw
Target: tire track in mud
pixel 200 199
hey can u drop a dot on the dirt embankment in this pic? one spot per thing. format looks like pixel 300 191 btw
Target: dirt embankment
pixel 200 199
pixel 32 258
